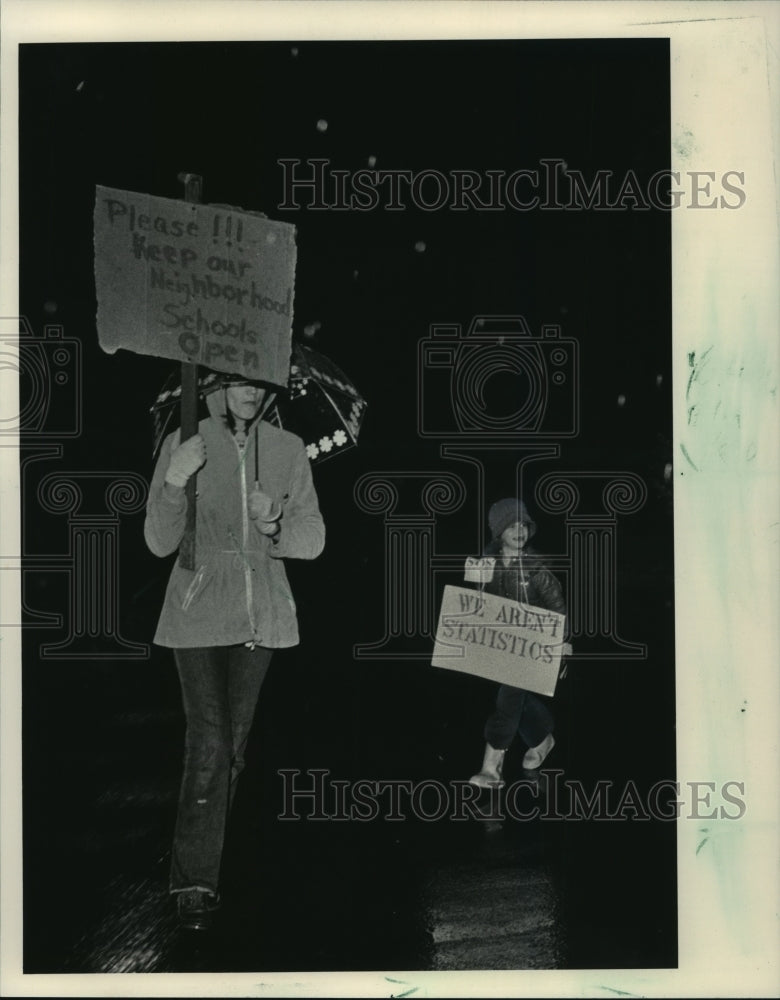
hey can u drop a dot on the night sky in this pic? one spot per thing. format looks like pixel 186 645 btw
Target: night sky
pixel 373 282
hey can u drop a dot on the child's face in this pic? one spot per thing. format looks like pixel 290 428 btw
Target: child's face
pixel 514 537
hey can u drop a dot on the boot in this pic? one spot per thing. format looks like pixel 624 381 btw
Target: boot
pixel 492 765
pixel 536 755
pixel 197 909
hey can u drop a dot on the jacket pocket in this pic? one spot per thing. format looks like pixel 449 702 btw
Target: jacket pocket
pixel 283 585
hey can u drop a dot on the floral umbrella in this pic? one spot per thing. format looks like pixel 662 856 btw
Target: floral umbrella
pixel 322 406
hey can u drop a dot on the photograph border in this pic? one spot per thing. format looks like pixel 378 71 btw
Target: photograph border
pixel 724 115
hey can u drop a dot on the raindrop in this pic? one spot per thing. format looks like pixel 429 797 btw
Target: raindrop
pixel 322 125
pixel 668 471
pixel 311 329
pixel 372 161
pixel 50 307
pixel 420 246
pixel 80 87
pixel 294 51
pixel 355 275
pixel 659 379
pixel 621 400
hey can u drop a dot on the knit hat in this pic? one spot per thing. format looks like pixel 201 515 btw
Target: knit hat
pixel 506 512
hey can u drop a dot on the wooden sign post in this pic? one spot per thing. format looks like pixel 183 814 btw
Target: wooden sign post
pixel 193 193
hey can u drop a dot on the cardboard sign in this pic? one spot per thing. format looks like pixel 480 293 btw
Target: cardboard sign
pixel 499 639
pixel 194 283
pixel 479 571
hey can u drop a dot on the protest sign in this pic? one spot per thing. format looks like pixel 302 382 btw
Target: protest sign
pixel 479 571
pixel 196 283
pixel 499 639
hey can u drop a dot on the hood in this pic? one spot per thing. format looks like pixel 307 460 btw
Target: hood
pixel 216 401
pixel 506 512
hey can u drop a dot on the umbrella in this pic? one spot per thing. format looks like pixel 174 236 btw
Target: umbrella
pixel 321 404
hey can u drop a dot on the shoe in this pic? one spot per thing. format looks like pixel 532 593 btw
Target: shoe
pixel 492 766
pixel 196 909
pixel 535 756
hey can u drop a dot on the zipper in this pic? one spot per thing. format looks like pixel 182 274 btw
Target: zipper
pixel 524 580
pixel 247 566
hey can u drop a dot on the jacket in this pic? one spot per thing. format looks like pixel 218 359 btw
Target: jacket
pixel 528 581
pixel 238 592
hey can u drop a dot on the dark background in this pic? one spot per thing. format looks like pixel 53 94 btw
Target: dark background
pixel 102 736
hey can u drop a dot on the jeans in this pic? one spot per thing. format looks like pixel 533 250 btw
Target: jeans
pixel 220 686
pixel 518 711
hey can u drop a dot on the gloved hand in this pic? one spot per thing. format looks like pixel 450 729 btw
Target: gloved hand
pixel 265 510
pixel 186 459
pixel 270 528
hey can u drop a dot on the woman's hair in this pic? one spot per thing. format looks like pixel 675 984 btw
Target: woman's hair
pixel 228 416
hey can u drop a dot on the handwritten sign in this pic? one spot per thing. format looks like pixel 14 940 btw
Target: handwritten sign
pixel 500 639
pixel 194 283
pixel 479 571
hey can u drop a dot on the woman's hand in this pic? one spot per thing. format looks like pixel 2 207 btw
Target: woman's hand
pixel 265 510
pixel 185 461
pixel 270 528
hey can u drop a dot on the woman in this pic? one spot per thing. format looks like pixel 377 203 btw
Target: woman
pixel 519 574
pixel 256 505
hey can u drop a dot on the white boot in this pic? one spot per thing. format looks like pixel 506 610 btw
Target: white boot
pixel 492 765
pixel 535 756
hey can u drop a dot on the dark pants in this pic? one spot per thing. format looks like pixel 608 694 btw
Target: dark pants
pixel 220 686
pixel 518 711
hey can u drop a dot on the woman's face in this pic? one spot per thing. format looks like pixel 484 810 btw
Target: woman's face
pixel 514 537
pixel 244 401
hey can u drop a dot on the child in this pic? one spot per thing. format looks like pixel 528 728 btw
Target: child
pixel 520 575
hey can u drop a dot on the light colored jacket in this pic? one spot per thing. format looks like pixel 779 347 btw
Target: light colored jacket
pixel 238 592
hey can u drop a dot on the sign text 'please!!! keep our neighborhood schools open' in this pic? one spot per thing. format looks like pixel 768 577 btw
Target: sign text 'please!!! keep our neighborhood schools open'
pixel 194 282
